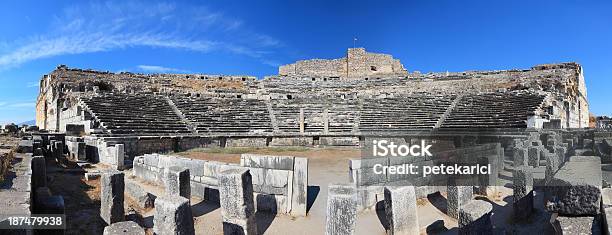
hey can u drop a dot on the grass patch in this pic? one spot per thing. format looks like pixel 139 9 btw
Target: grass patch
pixel 241 150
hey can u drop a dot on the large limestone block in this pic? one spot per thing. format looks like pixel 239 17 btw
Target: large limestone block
pixel 111 198
pixel 341 210
pixel 457 197
pixel 576 188
pixel 299 196
pixel 475 218
pixel 236 199
pixel 173 216
pixel 401 210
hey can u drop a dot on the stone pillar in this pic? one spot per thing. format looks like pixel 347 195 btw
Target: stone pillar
pixel 533 153
pixel 111 198
pixel 173 216
pixel 299 197
pixel 475 218
pixel 236 199
pixel 326 121
pixel 523 192
pixel 127 228
pixel 457 196
pixel 81 146
pixel 341 210
pixel 119 156
pixel 39 172
pixel 401 210
pixel 177 181
pixel 302 127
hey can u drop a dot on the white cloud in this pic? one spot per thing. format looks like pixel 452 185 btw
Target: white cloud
pixel 160 69
pixel 98 27
pixel 5 105
pixel 32 84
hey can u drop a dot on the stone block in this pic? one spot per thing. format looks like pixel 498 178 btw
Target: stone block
pixel 142 197
pixel 534 156
pixel 576 188
pixel 401 210
pixel 299 197
pixel 520 156
pixel 111 198
pixel 522 187
pixel 127 228
pixel 475 218
pixel 457 196
pixel 173 216
pixel 39 172
pixel 236 199
pixel 267 161
pixel 341 210
pixel 177 181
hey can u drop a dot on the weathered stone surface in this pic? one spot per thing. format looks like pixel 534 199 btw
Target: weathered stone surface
pixel 267 161
pixel 143 198
pixel 580 225
pixel 457 197
pixel 534 156
pixel 177 181
pixel 39 172
pixel 606 197
pixel 576 188
pixel 127 228
pixel 341 210
pixel 236 199
pixel 607 219
pixel 475 218
pixel 401 210
pixel 520 156
pixel 173 216
pixel 522 186
pixel 111 198
pixel 299 198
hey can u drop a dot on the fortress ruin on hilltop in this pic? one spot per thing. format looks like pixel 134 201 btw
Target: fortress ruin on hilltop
pixel 357 63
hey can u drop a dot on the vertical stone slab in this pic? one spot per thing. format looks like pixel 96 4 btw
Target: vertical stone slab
pixel 236 199
pixel 520 156
pixel 39 172
pixel 457 196
pixel 127 228
pixel 326 121
pixel 522 187
pixel 533 156
pixel 301 121
pixel 173 216
pixel 81 146
pixel 401 210
pixel 341 210
pixel 177 181
pixel 111 198
pixel 299 198
pixel 119 156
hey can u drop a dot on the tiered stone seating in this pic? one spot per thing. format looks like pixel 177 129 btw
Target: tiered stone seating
pixel 225 115
pixel 341 115
pixel 405 113
pixel 493 110
pixel 140 114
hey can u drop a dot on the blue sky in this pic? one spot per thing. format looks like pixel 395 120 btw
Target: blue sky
pixel 254 37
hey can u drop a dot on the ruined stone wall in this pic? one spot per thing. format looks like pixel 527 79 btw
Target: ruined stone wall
pixel 357 63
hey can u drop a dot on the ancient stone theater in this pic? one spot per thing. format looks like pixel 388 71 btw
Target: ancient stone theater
pixel 528 126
